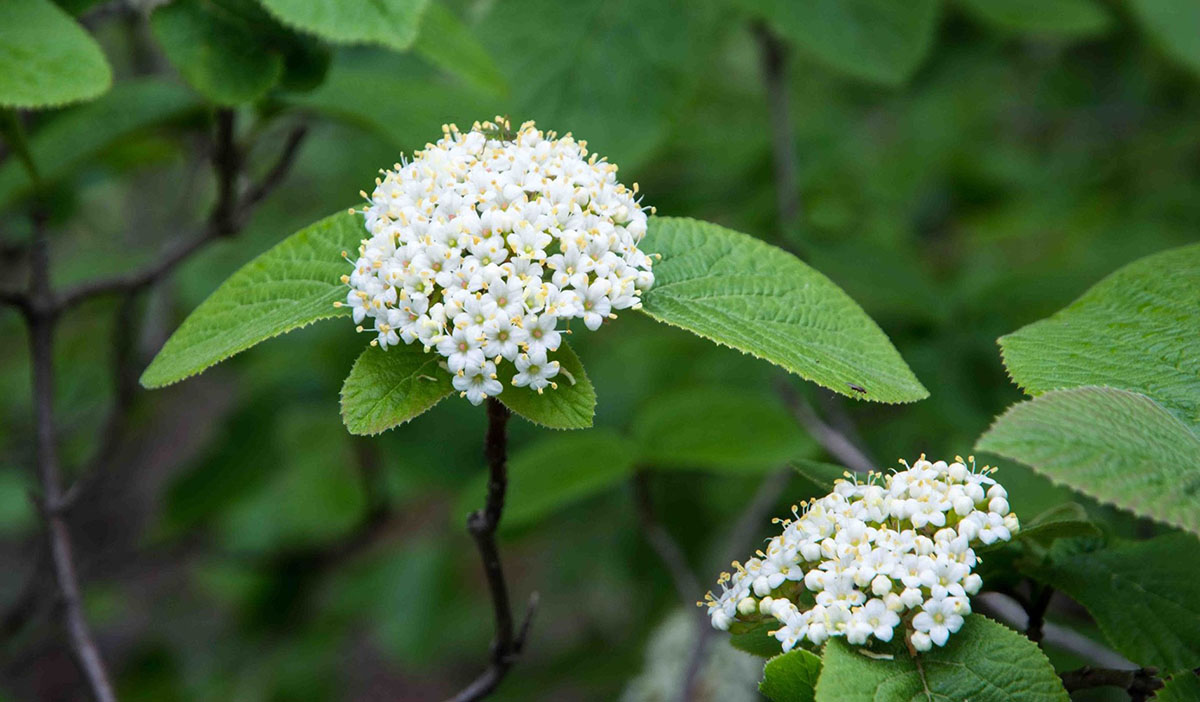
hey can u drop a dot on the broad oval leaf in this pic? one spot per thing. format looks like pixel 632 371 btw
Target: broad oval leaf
pixel 387 388
pixel 449 43
pixel 389 23
pixel 46 58
pixel 877 40
pixel 1061 17
pixel 1135 330
pixel 791 677
pixel 1116 446
pixel 555 473
pixel 719 430
pixel 290 286
pixel 746 294
pixel 569 406
pixel 982 662
pixel 1144 595
pixel 1174 25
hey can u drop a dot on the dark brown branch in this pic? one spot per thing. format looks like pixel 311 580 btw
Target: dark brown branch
pixel 663 544
pixel 1037 612
pixel 833 441
pixel 774 66
pixel 482 525
pixel 278 172
pixel 58 539
pixel 1140 683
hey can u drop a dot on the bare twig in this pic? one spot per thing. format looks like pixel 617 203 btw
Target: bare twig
pixel 664 545
pixel 482 525
pixel 1140 683
pixel 835 442
pixel 774 65
pixel 1036 610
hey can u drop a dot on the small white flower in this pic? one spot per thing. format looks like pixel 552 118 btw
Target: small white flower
pixel 534 370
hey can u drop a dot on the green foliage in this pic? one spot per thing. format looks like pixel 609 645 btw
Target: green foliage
pixel 1184 687
pixel 791 677
pixel 46 58
pixel 449 43
pixel 876 40
pixel 1144 595
pixel 719 430
pixel 554 473
pixel 1116 446
pixel 388 388
pixel 1067 520
pixel 1135 330
pixel 983 662
pixel 1174 25
pixel 569 406
pixel 290 286
pixel 743 293
pixel 821 475
pixel 78 134
pixel 756 638
pixel 389 23
pixel 1083 18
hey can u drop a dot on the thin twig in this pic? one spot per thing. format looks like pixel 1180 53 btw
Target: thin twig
pixel 1139 683
pixel 774 64
pixel 1035 631
pixel 663 544
pixel 835 442
pixel 482 525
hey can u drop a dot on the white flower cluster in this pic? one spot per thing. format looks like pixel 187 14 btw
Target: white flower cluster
pixel 870 556
pixel 485 241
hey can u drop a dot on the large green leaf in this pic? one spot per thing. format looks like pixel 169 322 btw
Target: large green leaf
pixel 1144 595
pixel 877 40
pixel 1065 17
pixel 46 58
pixel 448 42
pixel 1135 330
pixel 79 133
pixel 390 23
pixel 1116 446
pixel 290 286
pixel 741 292
pixel 1184 687
pixel 982 662
pixel 387 388
pixel 791 677
pixel 569 406
pixel 1174 25
pixel 554 473
pixel 718 429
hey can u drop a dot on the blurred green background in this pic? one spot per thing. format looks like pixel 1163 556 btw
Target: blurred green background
pixel 243 546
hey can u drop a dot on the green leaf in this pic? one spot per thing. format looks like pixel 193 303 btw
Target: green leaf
pixel 387 388
pixel 1135 330
pixel 876 40
pixel 820 474
pixel 449 43
pixel 755 638
pixel 1116 446
pixel 1064 17
pixel 554 473
pixel 569 406
pixel 743 293
pixel 389 23
pixel 290 286
pixel 791 677
pixel 78 134
pixel 1174 25
pixel 1184 687
pixel 46 58
pixel 718 429
pixel 1144 595
pixel 217 50
pixel 982 662
pixel 1067 520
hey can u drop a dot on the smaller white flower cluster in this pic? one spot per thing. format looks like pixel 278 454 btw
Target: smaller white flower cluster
pixel 892 550
pixel 486 243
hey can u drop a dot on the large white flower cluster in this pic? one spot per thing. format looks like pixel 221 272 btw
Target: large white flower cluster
pixel 488 243
pixel 893 550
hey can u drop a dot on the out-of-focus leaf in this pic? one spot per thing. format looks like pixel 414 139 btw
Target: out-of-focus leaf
pixel 741 292
pixel 390 23
pixel 46 58
pixel 1065 17
pixel 449 43
pixel 80 133
pixel 791 677
pixel 1135 330
pixel 982 662
pixel 16 509
pixel 569 406
pixel 1067 520
pixel 1174 25
pixel 290 286
pixel 388 388
pixel 1144 595
pixel 876 40
pixel 553 474
pixel 1116 446
pixel 822 475
pixel 718 429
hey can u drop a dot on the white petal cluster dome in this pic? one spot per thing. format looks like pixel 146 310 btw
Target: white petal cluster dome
pixel 890 551
pixel 488 244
